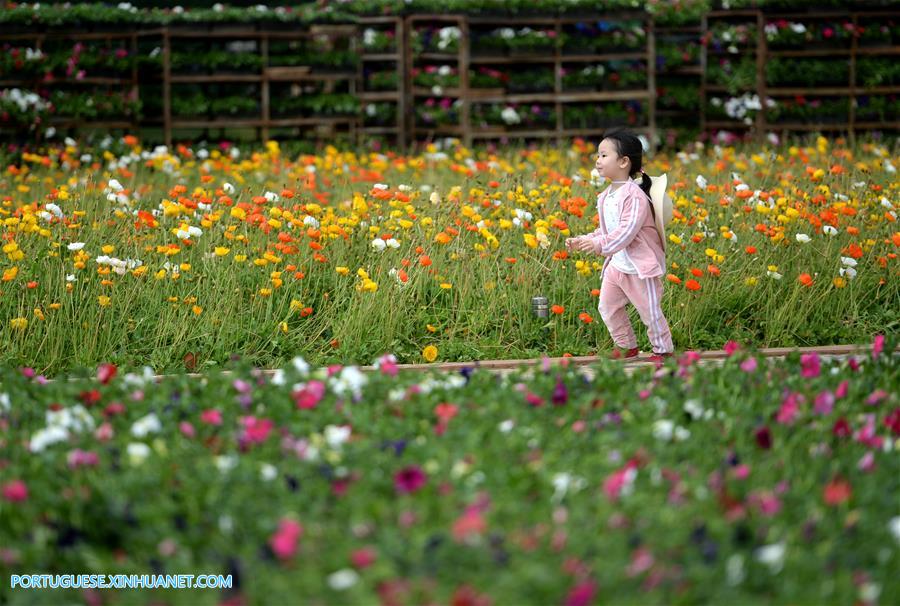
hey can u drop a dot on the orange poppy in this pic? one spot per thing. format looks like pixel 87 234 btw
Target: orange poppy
pixel 692 285
pixel 806 279
pixel 557 309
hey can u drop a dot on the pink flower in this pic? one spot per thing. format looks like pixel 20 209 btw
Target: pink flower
pixel 211 416
pixel 534 399
pixel 620 479
pixel 187 430
pixel 824 403
pixel 810 364
pixel 876 396
pixel 749 365
pixel 842 389
pixel 79 458
pixel 284 541
pixel 867 462
pixel 790 408
pixel 470 523
pixel 766 502
pixel 731 347
pixel 241 387
pixel 363 557
pixel 256 431
pixel 877 346
pixel 388 365
pixel 409 479
pixel 104 433
pixel 582 594
pixel 311 394
pixel 15 491
pixel 741 472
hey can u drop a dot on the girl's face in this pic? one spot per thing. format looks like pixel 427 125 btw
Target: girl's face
pixel 609 163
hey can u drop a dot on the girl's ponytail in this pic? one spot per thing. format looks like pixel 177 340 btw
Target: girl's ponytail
pixel 645 182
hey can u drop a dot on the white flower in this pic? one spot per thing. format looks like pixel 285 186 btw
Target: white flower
pixel 772 556
pixel 848 271
pixel 310 221
pixel 349 382
pixel 506 426
pixel 228 188
pixel 734 569
pixel 71 278
pixel 802 238
pixel 663 429
pixel 392 243
pixel 225 462
pixel 137 452
pixel 378 244
pixel 268 472
pixel 300 365
pixel 894 527
pixel 510 115
pixel 75 246
pixel 53 208
pixel 380 186
pixel 115 186
pixel 701 182
pixel 343 579
pixel 887 204
pixel 434 198
pixel 682 433
pixel 848 261
pixel 271 196
pixel 4 402
pixel 336 435
pixel 774 274
pixel 44 437
pixel 830 230
pixel 146 425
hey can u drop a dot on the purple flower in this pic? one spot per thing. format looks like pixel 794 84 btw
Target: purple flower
pixel 824 403
pixel 409 479
pixel 560 394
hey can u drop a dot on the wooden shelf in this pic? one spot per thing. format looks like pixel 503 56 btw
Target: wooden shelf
pixel 549 57
pixel 381 57
pixel 625 95
pixel 390 95
pixel 205 79
pixel 877 125
pixel 445 92
pixel 437 57
pixel 814 52
pixel 66 122
pixel 381 130
pixel 259 122
pixel 808 127
pixel 725 125
pixel 832 91
pixel 65 81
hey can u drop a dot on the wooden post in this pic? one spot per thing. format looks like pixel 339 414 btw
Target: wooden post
pixel 264 86
pixel 464 94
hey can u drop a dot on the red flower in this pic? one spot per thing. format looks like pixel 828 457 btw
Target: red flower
pixel 15 491
pixel 841 428
pixel 892 421
pixel 837 491
pixel 409 479
pixel 763 438
pixel 106 372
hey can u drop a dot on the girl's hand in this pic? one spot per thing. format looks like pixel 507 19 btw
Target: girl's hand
pixel 582 245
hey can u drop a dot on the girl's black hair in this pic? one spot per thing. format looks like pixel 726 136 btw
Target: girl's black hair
pixel 628 145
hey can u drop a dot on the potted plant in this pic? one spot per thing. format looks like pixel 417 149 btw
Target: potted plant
pixel 531 81
pixel 529 42
pixel 380 114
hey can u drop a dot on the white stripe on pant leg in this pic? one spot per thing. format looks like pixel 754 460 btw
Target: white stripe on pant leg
pixel 654 321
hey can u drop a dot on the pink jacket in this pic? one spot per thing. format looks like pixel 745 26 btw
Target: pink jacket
pixel 636 233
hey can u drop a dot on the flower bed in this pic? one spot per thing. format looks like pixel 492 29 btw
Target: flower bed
pixel 741 483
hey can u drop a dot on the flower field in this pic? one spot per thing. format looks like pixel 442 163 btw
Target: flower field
pixel 185 257
pixel 756 481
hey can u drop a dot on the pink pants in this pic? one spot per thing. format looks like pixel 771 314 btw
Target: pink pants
pixel 617 290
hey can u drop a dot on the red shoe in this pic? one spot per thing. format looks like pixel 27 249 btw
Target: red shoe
pixel 624 354
pixel 659 358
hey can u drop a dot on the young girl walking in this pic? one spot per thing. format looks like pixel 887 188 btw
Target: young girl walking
pixel 629 237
